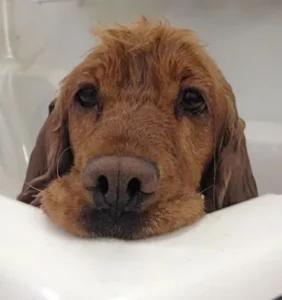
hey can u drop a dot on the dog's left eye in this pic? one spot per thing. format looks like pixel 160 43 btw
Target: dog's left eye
pixel 192 101
pixel 87 96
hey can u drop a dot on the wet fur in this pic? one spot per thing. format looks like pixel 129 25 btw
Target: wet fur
pixel 139 70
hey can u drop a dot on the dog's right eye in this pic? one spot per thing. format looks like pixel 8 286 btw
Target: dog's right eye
pixel 87 96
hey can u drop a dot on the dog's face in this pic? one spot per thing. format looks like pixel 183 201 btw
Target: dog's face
pixel 144 138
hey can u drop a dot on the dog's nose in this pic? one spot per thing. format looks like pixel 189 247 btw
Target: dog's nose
pixel 120 184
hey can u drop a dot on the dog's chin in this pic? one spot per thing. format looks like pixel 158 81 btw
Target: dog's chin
pixel 98 223
pixel 155 219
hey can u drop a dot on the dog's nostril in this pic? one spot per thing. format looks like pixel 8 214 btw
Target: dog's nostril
pixel 120 184
pixel 102 185
pixel 133 187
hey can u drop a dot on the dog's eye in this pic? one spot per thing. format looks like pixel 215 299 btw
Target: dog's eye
pixel 87 96
pixel 192 101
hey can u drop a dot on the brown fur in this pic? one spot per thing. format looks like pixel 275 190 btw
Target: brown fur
pixel 139 70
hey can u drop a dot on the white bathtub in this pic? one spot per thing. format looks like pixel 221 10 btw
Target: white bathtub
pixel 232 254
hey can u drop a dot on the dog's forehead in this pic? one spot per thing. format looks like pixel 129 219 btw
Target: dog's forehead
pixel 148 62
pixel 148 57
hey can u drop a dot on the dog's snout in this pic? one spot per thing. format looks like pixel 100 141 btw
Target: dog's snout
pixel 120 184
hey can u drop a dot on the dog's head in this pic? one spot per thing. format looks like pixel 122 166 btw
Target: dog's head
pixel 144 138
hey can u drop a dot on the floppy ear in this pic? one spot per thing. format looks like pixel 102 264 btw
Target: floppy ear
pixel 229 179
pixel 51 157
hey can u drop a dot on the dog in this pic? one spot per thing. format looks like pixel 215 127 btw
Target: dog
pixel 144 138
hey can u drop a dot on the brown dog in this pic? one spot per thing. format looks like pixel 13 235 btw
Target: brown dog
pixel 144 138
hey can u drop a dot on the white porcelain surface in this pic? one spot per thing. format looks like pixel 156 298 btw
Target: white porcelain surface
pixel 232 254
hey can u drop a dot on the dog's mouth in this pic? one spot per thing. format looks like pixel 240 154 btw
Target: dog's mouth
pixel 113 224
pixel 118 202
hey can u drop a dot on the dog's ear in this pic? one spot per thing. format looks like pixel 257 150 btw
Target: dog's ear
pixel 51 157
pixel 229 179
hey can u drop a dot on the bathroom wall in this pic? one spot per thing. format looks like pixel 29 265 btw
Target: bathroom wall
pixel 244 37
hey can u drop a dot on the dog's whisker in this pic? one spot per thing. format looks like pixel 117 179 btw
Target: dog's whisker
pixel 36 189
pixel 207 188
pixel 59 159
